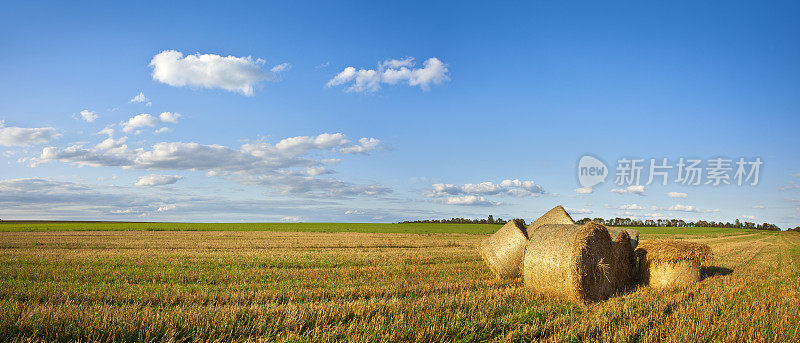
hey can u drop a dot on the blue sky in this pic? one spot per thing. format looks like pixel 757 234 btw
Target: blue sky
pixel 444 102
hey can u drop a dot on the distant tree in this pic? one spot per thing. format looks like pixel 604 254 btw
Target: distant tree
pixel 490 220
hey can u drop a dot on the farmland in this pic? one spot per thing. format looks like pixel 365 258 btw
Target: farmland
pixel 424 282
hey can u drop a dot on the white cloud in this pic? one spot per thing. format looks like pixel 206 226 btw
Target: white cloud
pixel 470 200
pixel 291 219
pixel 748 217
pixel 636 189
pixel 148 120
pixel 515 188
pixel 26 136
pixel 88 116
pixel 354 212
pixel 758 207
pixel 162 130
pixel 106 131
pixel 584 190
pixel 631 207
pixel 166 208
pixel 689 208
pixel 169 117
pixel 578 210
pixel 677 195
pixel 235 74
pixel 157 180
pixel 281 67
pixel 286 167
pixel 393 72
pixel 140 98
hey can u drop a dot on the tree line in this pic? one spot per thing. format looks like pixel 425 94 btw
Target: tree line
pixel 620 222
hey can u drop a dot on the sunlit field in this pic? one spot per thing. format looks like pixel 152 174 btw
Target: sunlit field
pixel 417 282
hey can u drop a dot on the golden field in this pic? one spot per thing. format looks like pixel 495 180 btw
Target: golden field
pixel 355 286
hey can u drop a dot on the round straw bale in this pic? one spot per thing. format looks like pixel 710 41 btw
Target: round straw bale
pixel 556 215
pixel 571 262
pixel 634 234
pixel 623 260
pixel 670 263
pixel 503 250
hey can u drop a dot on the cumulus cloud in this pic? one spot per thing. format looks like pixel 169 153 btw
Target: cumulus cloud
pixel 584 190
pixel 631 207
pixel 157 180
pixel 689 208
pixel 26 136
pixel 469 200
pixel 354 212
pixel 516 188
pixel 578 210
pixel 636 189
pixel 231 73
pixel 87 116
pixel 285 166
pixel 140 98
pixel 393 72
pixel 290 219
pixel 748 217
pixel 677 195
pixel 167 208
pixel 147 120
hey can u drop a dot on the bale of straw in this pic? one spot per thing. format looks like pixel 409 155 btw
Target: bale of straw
pixel 634 235
pixel 570 262
pixel 670 263
pixel 557 215
pixel 622 265
pixel 503 250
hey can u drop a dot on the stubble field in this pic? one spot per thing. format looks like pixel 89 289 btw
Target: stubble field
pixel 254 285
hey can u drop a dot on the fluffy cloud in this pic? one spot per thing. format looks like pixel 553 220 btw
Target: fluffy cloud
pixel 689 208
pixel 157 180
pixel 677 195
pixel 516 188
pixel 235 74
pixel 636 189
pixel 578 210
pixel 147 120
pixel 291 219
pixel 26 136
pixel 584 190
pixel 748 217
pixel 87 116
pixel 631 207
pixel 284 166
pixel 281 68
pixel 166 208
pixel 140 98
pixel 393 72
pixel 469 200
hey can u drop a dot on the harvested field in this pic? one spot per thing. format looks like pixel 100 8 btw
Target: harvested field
pixel 281 286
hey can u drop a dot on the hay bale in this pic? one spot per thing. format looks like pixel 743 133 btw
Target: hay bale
pixel 634 235
pixel 503 250
pixel 571 262
pixel 557 215
pixel 622 266
pixel 670 263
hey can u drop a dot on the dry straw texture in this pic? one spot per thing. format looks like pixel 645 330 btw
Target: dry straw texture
pixel 503 250
pixel 570 262
pixel 634 235
pixel 557 215
pixel 623 260
pixel 670 263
